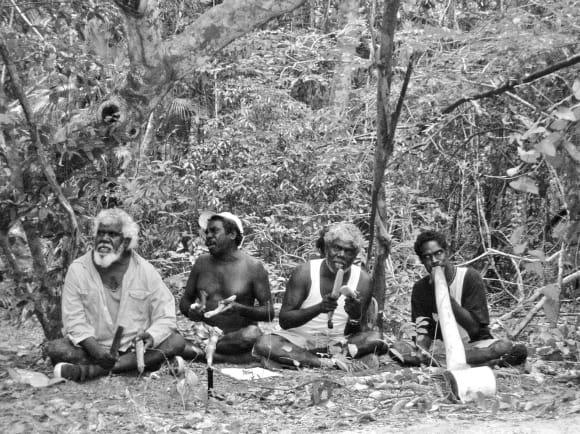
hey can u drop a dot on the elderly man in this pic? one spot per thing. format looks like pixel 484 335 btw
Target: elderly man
pixel 468 302
pixel 308 302
pixel 113 294
pixel 215 279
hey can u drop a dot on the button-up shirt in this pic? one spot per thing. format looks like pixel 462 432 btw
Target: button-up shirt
pixel 146 304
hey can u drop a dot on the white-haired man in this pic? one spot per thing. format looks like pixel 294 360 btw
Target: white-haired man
pixel 109 291
pixel 308 300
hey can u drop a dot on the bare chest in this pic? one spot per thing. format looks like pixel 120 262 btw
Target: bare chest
pixel 225 281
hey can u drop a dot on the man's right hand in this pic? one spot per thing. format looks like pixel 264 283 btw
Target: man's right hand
pixel 328 304
pixel 105 359
pixel 100 354
pixel 195 315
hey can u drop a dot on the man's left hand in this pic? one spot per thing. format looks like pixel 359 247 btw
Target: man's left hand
pixel 353 308
pixel 146 338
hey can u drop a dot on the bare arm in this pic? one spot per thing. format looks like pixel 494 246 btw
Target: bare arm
pixel 296 292
pixel 473 313
pixel 190 295
pixel 465 319
pixel 357 308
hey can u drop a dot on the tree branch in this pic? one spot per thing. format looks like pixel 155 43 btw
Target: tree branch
pixel 44 161
pixel 218 27
pixel 514 83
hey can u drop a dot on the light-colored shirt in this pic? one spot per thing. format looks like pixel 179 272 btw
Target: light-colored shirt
pixel 146 304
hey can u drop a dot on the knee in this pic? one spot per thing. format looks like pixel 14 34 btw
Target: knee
pixel 173 345
pixel 251 334
pixel 62 350
pixel 263 345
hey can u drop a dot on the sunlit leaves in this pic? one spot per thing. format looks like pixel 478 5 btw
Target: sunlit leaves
pixel 525 184
pixel 548 145
pixel 530 156
pixel 576 89
pixel 566 114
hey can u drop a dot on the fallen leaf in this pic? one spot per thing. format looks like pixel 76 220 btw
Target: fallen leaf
pixel 398 406
pixel 35 379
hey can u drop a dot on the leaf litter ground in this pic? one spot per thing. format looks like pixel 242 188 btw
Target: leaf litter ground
pixel 388 398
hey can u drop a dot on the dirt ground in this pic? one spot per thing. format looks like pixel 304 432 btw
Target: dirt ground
pixel 388 399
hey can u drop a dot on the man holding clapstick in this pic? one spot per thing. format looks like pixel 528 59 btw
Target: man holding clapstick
pixel 468 303
pixel 323 307
pixel 114 302
pixel 227 293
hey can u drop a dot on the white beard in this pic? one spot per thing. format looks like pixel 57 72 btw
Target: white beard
pixel 104 260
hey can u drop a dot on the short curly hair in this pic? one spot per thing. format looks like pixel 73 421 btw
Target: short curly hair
pixel 343 230
pixel 129 228
pixel 425 237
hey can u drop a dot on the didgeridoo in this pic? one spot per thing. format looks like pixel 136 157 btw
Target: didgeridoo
pixel 454 349
pixel 335 293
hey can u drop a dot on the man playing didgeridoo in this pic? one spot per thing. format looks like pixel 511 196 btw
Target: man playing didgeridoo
pixel 315 322
pixel 468 303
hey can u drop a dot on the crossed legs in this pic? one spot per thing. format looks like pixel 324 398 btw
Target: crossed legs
pixel 281 350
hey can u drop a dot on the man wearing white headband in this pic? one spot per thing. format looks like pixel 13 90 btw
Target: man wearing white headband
pixel 215 279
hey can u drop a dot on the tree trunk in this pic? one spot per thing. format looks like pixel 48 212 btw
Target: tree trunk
pixel 155 65
pixel 384 147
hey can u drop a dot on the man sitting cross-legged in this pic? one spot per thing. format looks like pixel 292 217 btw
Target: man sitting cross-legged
pixel 110 287
pixel 308 301
pixel 215 277
pixel 468 302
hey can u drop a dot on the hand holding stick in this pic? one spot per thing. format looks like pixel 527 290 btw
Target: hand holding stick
pixel 200 304
pixel 140 353
pixel 335 293
pixel 223 305
pixel 117 341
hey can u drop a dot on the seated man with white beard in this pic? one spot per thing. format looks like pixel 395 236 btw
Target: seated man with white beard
pixel 109 289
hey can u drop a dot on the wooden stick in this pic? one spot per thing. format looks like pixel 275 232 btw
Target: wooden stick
pixel 223 305
pixel 335 293
pixel 537 293
pixel 140 354
pixel 528 318
pixel 116 341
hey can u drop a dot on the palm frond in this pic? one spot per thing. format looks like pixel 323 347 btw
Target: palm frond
pixel 183 108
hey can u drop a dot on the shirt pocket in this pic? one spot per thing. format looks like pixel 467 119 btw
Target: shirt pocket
pixel 138 305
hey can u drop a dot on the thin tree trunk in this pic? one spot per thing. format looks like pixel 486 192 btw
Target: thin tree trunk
pixel 384 147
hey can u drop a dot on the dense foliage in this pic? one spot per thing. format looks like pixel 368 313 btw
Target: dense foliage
pixel 268 130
